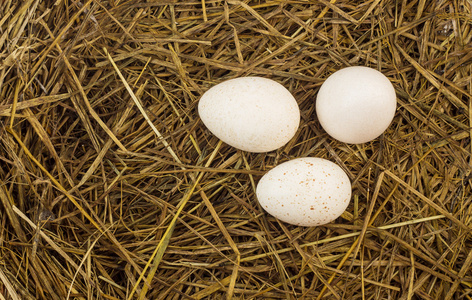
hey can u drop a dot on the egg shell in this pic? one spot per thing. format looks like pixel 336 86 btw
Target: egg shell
pixel 356 104
pixel 250 113
pixel 305 191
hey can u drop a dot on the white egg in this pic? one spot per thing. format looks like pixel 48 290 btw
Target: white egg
pixel 305 191
pixel 356 104
pixel 250 113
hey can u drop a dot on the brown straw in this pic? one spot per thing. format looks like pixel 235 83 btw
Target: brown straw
pixel 111 187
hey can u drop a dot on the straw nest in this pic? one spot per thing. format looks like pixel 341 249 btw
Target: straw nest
pixel 112 188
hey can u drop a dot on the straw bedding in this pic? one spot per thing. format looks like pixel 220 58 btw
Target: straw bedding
pixel 112 188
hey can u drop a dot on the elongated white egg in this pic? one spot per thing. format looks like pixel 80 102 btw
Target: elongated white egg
pixel 250 113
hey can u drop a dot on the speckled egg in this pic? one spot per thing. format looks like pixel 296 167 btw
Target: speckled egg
pixel 305 191
pixel 253 114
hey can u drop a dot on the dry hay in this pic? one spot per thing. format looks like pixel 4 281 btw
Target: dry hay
pixel 112 188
